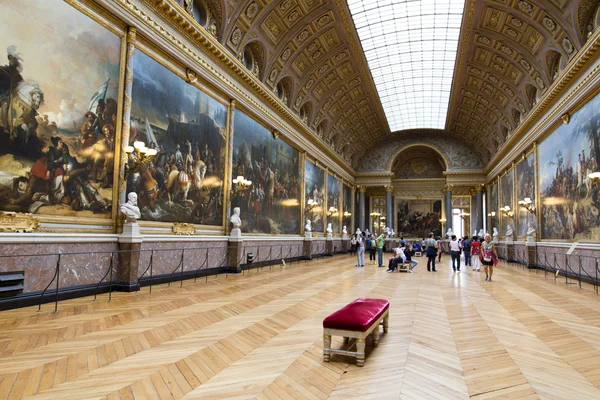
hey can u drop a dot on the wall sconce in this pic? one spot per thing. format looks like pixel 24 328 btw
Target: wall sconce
pixel 594 177
pixel 241 183
pixel 527 204
pixel 492 214
pixel 332 210
pixel 442 220
pixel 137 155
pixel 464 215
pixel 374 214
pixel 506 211
pixel 347 214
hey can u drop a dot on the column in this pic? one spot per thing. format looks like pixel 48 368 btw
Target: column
pixel 448 202
pixel 479 207
pixel 394 214
pixel 131 37
pixel 388 206
pixel 361 207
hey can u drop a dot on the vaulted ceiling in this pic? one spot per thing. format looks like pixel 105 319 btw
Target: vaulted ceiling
pixel 309 54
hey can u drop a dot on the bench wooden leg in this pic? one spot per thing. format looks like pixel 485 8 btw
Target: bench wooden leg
pixel 326 348
pixel 385 323
pixel 375 335
pixel 360 349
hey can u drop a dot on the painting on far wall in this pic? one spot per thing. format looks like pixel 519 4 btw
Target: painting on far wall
pixel 272 204
pixel 334 201
pixel 526 189
pixel 347 208
pixel 58 110
pixel 184 181
pixel 507 223
pixel 493 209
pixel 314 187
pixel 417 218
pixel 569 200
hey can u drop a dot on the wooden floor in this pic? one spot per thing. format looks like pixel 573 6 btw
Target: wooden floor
pixel 259 335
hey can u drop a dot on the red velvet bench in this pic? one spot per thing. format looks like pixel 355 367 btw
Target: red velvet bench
pixel 356 320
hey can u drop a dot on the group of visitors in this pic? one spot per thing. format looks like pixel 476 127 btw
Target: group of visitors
pixel 476 251
pixel 372 243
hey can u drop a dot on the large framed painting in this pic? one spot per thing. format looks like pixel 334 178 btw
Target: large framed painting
pixel 493 209
pixel 272 204
pixel 58 110
pixel 314 187
pixel 184 181
pixel 334 204
pixel 347 208
pixel 417 218
pixel 569 199
pixel 526 190
pixel 507 220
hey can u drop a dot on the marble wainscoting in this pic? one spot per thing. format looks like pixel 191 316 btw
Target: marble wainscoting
pixel 582 261
pixel 37 256
pixel 521 254
pixel 318 247
pixel 271 249
pixel 198 253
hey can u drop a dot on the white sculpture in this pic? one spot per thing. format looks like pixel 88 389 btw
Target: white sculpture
pixel 475 232
pixel 130 209
pixel 308 226
pixel 531 230
pixel 495 232
pixel 449 233
pixel 358 232
pixel 480 233
pixel 236 221
pixel 329 229
pixel 344 231
pixel 509 230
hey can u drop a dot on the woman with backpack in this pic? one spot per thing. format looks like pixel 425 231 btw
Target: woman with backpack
pixel 372 247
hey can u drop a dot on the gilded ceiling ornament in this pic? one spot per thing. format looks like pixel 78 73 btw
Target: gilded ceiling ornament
pixel 298 101
pixel 191 76
pixel 316 55
pixel 568 45
pixel 495 18
pixel 540 82
pixel 302 36
pixel 340 56
pixel 323 69
pixel 309 83
pixel 252 10
pixel 475 71
pixel 484 40
pixel 236 36
pixel 276 134
pixel 525 7
pixel 312 47
pixel 506 50
pixel 273 75
pixel 353 82
pixel 516 22
pixel 566 118
pixel 510 92
pixel 497 67
pixel 549 23
pixel 521 107
pixel 285 4
pixel 512 33
pixel 533 39
pixel 293 17
pixel 525 64
pixel 324 20
pixel 286 54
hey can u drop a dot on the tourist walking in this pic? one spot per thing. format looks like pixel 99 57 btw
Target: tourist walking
pixel 455 248
pixel 380 244
pixel 372 247
pixel 475 250
pixel 360 250
pixel 466 246
pixel 488 252
pixel 431 249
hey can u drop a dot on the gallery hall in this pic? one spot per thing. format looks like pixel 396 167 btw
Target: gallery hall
pixel 299 199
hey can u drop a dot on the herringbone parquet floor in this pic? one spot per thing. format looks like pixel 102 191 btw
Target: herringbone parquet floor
pixel 258 335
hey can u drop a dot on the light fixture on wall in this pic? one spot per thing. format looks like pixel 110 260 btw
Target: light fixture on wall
pixel 347 214
pixel 311 204
pixel 492 214
pixel 527 204
pixel 332 210
pixel 594 176
pixel 464 215
pixel 506 211
pixel 375 214
pixel 241 184
pixel 137 155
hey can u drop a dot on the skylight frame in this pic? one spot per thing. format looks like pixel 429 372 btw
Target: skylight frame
pixel 410 47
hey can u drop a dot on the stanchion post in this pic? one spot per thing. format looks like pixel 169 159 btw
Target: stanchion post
pixel 57 283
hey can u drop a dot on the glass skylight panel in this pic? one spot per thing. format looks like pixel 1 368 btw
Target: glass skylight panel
pixel 411 47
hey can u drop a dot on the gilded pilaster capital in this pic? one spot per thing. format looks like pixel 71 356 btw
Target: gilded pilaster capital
pixel 479 187
pixel 472 192
pixel 362 189
pixel 131 35
pixel 389 188
pixel 448 188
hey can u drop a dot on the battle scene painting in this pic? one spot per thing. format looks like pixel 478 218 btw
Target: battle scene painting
pixel 187 128
pixel 314 187
pixel 417 218
pixel 271 204
pixel 526 189
pixel 493 209
pixel 569 198
pixel 507 221
pixel 58 110
pixel 334 206
pixel 347 208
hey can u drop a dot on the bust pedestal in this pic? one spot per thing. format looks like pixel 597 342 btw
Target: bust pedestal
pixel 308 235
pixel 130 242
pixel 329 244
pixel 308 246
pixel 235 233
pixel 236 246
pixel 531 252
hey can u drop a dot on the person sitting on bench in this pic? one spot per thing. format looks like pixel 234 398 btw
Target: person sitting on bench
pixel 398 257
pixel 409 253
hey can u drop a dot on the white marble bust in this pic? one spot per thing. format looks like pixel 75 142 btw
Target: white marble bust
pixel 358 231
pixel 344 231
pixel 130 209
pixel 308 226
pixel 531 230
pixel 509 230
pixel 329 229
pixel 495 232
pixel 449 233
pixel 480 233
pixel 235 219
